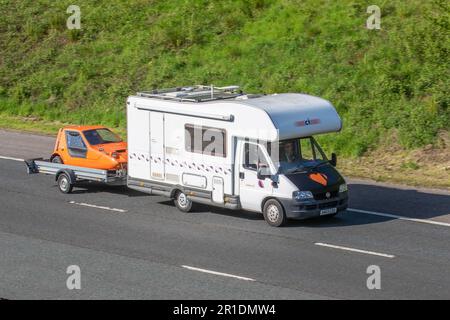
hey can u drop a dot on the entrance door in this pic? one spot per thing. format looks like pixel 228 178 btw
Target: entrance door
pixel 217 190
pixel 251 189
pixel 157 161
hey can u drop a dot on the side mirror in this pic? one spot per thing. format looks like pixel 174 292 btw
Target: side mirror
pixel 263 173
pixel 333 160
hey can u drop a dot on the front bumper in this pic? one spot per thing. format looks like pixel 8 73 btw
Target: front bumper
pixel 312 208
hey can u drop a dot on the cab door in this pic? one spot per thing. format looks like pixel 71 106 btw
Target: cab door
pixel 252 190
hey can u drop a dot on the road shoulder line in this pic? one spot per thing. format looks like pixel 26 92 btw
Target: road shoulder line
pixel 388 215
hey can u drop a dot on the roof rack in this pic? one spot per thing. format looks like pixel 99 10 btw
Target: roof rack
pixel 197 93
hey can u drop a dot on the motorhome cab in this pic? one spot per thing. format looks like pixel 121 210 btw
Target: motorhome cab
pixel 222 147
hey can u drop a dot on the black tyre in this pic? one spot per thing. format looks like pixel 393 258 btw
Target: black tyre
pixel 57 159
pixel 274 213
pixel 182 202
pixel 64 184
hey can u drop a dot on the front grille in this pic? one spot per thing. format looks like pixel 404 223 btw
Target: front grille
pixel 308 207
pixel 325 205
pixel 322 195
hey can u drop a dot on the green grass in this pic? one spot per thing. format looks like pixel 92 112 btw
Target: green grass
pixel 410 165
pixel 393 81
pixel 29 124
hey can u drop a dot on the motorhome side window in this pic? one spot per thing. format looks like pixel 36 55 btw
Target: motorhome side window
pixel 254 157
pixel 205 140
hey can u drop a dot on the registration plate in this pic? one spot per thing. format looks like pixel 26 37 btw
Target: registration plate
pixel 328 211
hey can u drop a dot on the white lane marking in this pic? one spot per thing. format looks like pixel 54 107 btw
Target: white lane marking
pixel 218 273
pixel 390 256
pixel 388 215
pixel 11 158
pixel 97 207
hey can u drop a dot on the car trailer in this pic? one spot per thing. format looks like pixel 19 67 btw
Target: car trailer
pixel 68 176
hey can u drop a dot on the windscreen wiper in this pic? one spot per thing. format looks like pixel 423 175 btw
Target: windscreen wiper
pixel 317 165
pixel 299 169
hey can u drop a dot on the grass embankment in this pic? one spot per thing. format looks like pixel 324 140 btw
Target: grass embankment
pixel 389 85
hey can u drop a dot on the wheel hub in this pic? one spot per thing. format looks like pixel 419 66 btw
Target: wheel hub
pixel 182 200
pixel 64 183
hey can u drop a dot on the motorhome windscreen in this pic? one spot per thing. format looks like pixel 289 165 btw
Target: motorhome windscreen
pixel 297 155
pixel 101 136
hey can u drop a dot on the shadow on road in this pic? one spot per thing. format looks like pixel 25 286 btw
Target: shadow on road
pixel 409 203
pixel 201 208
pixel 94 187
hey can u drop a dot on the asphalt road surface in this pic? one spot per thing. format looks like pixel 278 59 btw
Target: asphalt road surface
pixel 130 245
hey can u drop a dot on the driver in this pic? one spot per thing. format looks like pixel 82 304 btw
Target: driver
pixel 288 153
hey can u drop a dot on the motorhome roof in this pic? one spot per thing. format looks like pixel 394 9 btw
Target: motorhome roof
pixel 288 115
pixel 297 115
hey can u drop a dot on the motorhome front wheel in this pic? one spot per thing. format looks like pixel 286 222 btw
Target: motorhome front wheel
pixel 274 213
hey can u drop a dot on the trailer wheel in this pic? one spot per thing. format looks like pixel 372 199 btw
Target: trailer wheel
pixel 182 202
pixel 64 184
pixel 57 159
pixel 274 213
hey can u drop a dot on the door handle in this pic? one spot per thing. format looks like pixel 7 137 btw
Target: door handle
pixel 241 175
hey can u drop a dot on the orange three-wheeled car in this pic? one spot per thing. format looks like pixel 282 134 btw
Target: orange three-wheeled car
pixel 91 147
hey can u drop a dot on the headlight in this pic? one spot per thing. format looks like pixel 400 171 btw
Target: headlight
pixel 302 195
pixel 343 188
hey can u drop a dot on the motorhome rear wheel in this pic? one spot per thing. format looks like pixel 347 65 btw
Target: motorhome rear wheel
pixel 182 202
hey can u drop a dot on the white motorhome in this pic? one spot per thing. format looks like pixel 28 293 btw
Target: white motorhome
pixel 222 147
